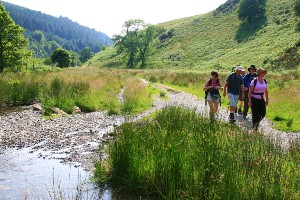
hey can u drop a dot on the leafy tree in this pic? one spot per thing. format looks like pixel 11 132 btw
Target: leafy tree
pixel 61 57
pixel 297 7
pixel 13 45
pixel 135 40
pixel 250 10
pixel 127 42
pixel 86 54
pixel 75 61
pixel 145 37
pixel 39 36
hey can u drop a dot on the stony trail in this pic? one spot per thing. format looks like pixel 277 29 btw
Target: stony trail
pixel 75 139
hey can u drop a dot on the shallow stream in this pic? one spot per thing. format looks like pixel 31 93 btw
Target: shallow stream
pixel 25 175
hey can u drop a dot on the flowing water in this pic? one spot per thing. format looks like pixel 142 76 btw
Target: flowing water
pixel 23 175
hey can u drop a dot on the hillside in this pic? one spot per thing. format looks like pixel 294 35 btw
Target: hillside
pixel 219 40
pixel 46 33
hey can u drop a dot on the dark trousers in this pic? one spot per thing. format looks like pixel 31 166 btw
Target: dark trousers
pixel 258 111
pixel 246 100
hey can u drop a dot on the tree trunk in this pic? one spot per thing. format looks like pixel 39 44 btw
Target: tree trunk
pixel 131 60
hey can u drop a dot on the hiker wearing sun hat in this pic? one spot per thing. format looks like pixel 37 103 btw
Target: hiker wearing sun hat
pixel 257 91
pixel 235 85
pixel 247 80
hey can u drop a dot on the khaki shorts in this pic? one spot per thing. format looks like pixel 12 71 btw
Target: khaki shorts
pixel 213 100
pixel 233 99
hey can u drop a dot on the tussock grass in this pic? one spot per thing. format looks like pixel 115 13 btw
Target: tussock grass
pixel 181 155
pixel 136 96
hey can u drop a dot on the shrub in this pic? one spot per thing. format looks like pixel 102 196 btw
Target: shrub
pixel 289 122
pixel 250 10
pixel 278 118
pixel 162 94
pixel 56 87
pixel 23 92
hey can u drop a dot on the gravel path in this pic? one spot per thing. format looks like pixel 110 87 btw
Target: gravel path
pixel 76 138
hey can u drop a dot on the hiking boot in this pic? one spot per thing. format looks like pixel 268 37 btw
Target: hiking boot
pixel 231 117
pixel 255 126
pixel 240 111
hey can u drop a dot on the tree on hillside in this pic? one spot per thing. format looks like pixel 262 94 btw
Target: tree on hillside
pixel 127 43
pixel 75 61
pixel 135 40
pixel 39 36
pixel 250 10
pixel 145 37
pixel 61 58
pixel 86 54
pixel 13 45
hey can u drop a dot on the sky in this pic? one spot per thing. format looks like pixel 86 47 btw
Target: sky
pixel 108 16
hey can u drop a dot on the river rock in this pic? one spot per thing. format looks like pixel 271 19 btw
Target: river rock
pixel 56 110
pixel 37 107
pixel 76 110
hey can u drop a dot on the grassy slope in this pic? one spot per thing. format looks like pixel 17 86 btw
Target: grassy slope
pixel 204 41
pixel 207 40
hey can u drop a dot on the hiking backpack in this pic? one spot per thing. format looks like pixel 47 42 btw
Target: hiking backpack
pixel 207 91
pixel 255 82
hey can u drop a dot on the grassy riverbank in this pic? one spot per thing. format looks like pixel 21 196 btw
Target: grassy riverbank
pixel 181 155
pixel 90 89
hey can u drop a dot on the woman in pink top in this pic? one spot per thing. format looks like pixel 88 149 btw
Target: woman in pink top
pixel 258 89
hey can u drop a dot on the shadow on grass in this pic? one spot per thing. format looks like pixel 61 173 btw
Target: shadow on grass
pixel 247 30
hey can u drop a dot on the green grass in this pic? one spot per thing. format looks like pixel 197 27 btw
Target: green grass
pixel 137 96
pixel 181 155
pixel 284 102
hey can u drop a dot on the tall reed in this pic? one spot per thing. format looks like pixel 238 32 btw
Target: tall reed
pixel 181 155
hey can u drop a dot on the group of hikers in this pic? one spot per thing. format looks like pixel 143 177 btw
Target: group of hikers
pixel 244 92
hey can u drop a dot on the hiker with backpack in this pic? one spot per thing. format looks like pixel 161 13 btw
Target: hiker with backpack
pixel 212 94
pixel 247 80
pixel 235 85
pixel 258 89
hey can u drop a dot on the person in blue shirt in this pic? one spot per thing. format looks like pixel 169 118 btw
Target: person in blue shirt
pixel 234 85
pixel 247 80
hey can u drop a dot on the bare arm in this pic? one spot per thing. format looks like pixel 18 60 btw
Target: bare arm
pixel 243 90
pixel 206 87
pixel 267 96
pixel 225 88
pixel 249 95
